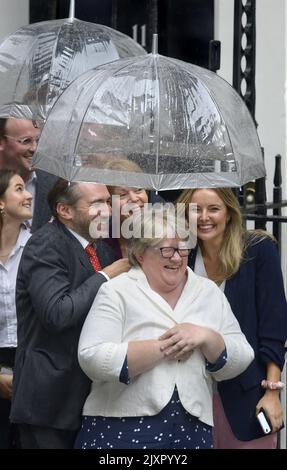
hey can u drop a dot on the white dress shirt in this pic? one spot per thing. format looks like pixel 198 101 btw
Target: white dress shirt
pixel 199 268
pixel 31 187
pixel 8 275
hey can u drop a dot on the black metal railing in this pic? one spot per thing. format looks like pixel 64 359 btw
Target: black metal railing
pixel 244 55
pixel 244 49
pixel 258 212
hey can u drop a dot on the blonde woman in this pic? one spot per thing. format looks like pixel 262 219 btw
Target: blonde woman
pixel 246 266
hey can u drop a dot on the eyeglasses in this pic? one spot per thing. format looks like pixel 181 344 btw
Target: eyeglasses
pixel 169 251
pixel 26 141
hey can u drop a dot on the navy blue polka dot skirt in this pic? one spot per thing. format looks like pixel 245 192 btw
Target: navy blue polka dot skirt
pixel 172 428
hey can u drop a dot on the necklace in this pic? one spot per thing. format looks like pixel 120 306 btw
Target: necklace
pixel 4 255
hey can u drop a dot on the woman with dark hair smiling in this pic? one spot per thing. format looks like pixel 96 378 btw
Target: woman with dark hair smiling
pixel 15 208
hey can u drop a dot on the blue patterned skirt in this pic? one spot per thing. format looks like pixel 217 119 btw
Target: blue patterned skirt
pixel 172 428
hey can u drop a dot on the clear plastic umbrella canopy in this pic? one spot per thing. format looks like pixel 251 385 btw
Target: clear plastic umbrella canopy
pixel 183 127
pixel 39 60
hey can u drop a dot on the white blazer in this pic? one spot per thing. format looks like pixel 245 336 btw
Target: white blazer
pixel 127 309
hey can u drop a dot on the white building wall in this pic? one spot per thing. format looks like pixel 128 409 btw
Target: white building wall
pixel 223 31
pixel 14 14
pixel 270 83
pixel 270 74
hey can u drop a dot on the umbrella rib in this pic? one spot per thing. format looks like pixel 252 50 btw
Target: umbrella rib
pixel 46 55
pixel 21 69
pixel 211 95
pixel 83 118
pixel 158 114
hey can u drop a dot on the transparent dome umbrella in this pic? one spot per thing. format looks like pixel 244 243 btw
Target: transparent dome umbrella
pixel 38 61
pixel 182 125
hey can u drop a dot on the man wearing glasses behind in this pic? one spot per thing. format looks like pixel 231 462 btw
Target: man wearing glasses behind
pixel 18 142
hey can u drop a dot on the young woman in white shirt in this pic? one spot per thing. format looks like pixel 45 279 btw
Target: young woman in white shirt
pixel 15 208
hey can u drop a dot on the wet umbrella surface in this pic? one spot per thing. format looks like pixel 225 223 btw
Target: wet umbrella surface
pixel 183 126
pixel 39 61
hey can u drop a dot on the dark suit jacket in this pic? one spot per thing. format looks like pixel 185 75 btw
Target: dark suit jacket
pixel 256 295
pixel 42 213
pixel 55 289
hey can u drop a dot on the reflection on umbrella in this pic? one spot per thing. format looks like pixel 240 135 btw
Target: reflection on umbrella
pixel 182 124
pixel 39 60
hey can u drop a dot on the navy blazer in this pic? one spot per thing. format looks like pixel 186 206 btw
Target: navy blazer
pixel 55 289
pixel 257 298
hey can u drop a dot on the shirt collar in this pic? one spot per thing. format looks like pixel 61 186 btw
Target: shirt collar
pixel 81 239
pixel 33 177
pixel 23 236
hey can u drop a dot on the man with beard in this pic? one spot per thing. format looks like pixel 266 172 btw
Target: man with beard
pixel 18 142
pixel 56 286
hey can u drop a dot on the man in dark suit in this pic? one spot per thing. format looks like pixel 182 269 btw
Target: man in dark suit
pixel 55 289
pixel 18 142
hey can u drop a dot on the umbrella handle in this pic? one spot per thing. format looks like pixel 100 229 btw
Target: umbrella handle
pixel 72 10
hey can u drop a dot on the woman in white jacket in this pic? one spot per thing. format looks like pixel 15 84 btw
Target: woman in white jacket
pixel 152 343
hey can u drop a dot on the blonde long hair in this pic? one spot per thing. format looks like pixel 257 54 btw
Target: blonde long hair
pixel 236 238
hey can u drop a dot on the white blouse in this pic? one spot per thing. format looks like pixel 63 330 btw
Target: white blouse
pixel 199 268
pixel 8 276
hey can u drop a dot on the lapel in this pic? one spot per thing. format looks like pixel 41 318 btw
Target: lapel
pixel 189 294
pixel 192 257
pixel 42 211
pixel 154 297
pixel 76 247
pixel 230 284
pixel 104 253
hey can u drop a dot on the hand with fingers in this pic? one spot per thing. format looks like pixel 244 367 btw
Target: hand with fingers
pixel 271 404
pixel 180 341
pixel 6 386
pixel 183 338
